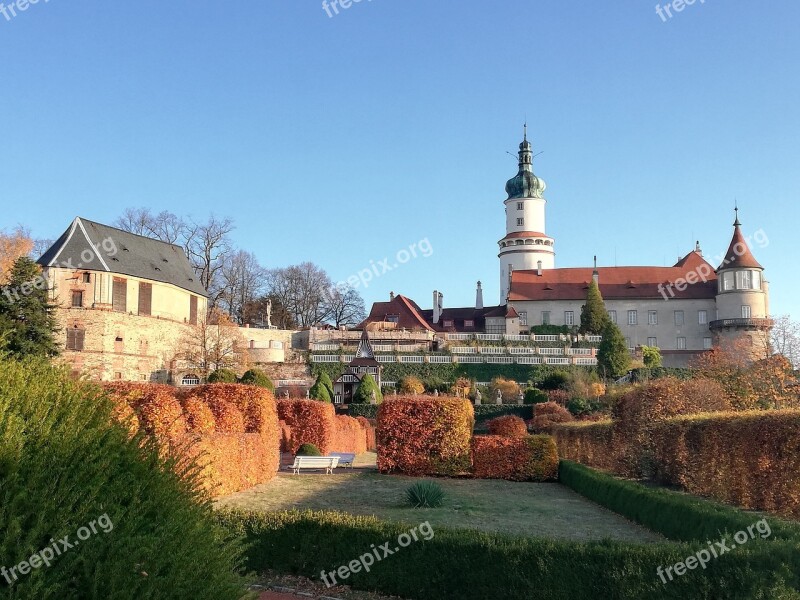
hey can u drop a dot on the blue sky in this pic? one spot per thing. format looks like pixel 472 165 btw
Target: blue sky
pixel 345 140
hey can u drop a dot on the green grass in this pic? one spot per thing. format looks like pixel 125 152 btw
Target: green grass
pixel 528 509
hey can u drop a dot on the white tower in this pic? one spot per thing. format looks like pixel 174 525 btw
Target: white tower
pixel 525 246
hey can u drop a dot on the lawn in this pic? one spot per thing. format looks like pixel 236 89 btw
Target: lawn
pixel 529 509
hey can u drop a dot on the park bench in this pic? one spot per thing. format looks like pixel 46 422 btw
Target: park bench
pixel 345 460
pixel 329 463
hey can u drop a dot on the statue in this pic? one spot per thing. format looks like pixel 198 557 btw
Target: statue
pixel 269 313
pixel 373 398
pixel 308 394
pixel 521 398
pixel 477 397
pixel 499 397
pixel 436 393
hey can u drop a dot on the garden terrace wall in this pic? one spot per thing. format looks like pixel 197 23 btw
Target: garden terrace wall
pixel 532 458
pixel 420 435
pixel 749 459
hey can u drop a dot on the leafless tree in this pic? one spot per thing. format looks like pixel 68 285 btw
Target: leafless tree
pixel 785 339
pixel 243 281
pixel 208 246
pixel 165 226
pixel 345 306
pixel 302 290
pixel 214 343
pixel 255 313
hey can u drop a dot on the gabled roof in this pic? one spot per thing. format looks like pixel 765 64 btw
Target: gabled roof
pixel 97 247
pixel 402 310
pixel 616 282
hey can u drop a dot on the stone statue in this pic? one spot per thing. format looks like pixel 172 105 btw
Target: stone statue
pixel 477 397
pixel 521 398
pixel 499 397
pixel 436 393
pixel 269 313
pixel 373 397
pixel 308 394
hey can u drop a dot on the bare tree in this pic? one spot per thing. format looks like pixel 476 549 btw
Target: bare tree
pixel 165 226
pixel 243 280
pixel 302 289
pixel 208 245
pixel 785 339
pixel 214 343
pixel 255 313
pixel 345 306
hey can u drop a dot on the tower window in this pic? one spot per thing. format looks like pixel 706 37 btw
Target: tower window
pixel 519 205
pixel 756 280
pixel 745 311
pixel 727 281
pixel 520 222
pixel 743 280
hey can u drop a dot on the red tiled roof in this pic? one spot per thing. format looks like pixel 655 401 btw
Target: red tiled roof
pixel 526 234
pixel 511 313
pixel 616 282
pixel 738 254
pixel 405 309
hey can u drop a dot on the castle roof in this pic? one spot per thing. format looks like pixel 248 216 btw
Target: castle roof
pixel 97 247
pixel 738 255
pixel 616 282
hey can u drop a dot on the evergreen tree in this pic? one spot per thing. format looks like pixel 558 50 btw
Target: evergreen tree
pixel 319 391
pixel 325 379
pixel 593 314
pixel 363 394
pixel 27 319
pixel 613 358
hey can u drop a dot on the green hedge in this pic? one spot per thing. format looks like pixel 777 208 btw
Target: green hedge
pixel 484 412
pixel 676 515
pixel 370 411
pixel 472 565
pixel 645 374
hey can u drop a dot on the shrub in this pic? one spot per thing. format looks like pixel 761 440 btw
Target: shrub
pixel 199 417
pixel 532 458
pixel 549 413
pixel 508 389
pixel 579 407
pixel 319 391
pixel 749 459
pixel 587 443
pixel 65 463
pixel 425 494
pixel 222 376
pixel 369 429
pixel 350 435
pixel 535 396
pixel 419 435
pixel 369 411
pixel 484 412
pixel 555 381
pixel 312 422
pixel 613 357
pixel 308 450
pixel 560 397
pixel 508 426
pixel 365 390
pixel 411 386
pixel 255 377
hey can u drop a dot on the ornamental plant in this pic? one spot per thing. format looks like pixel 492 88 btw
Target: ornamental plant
pixel 425 494
pixel 258 378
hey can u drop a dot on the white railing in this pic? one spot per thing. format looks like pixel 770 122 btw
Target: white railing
pixel 489 337
pixel 518 338
pixel 584 361
pixel 521 350
pixel 437 358
pixel 324 358
pixel 579 351
pixel 464 350
pixel 458 337
pixel 411 359
pixel 382 347
pixel 290 382
pixel 324 347
pixel 550 360
pixel 529 360
pixel 491 349
pixel 594 338
pixel 500 360
pixel 552 351
pixel 385 358
pixel 346 358
pixel 546 338
pixel 470 359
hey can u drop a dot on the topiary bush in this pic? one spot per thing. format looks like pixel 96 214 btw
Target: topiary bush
pixel 535 396
pixel 255 377
pixel 549 413
pixel 411 386
pixel 319 391
pixel 508 426
pixel 308 450
pixel 425 494
pixel 222 376
pixel 364 392
pixel 532 458
pixel 65 464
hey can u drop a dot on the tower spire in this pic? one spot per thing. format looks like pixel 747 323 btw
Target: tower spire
pixel 736 223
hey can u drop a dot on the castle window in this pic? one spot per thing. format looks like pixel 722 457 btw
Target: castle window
pixel 469 323
pixel 519 205
pixel 545 317
pixel 393 319
pixel 702 317
pixel 652 342
pixel 75 339
pixel 743 280
pixel 756 280
pixel 448 323
pixel 727 281
pixel 707 343
pixel 193 310
pixel 145 298
pixel 119 295
pixel 652 317
pixel 569 318
pixel 633 317
pixel 77 299
pixel 190 380
pixel 87 278
pixel 681 343
pixel 612 314
pixel 679 318
pixel 523 318
pixel 520 222
pixel 745 311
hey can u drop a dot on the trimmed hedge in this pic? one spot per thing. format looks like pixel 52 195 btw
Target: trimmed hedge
pixel 312 422
pixel 508 426
pixel 587 443
pixel 484 412
pixel 532 458
pixel 419 435
pixel 369 411
pixel 472 565
pixel 676 515
pixel 749 459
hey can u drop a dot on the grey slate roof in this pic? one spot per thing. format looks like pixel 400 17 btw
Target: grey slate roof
pixel 97 247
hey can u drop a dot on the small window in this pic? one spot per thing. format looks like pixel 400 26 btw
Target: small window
pixel 448 323
pixel 707 344
pixel 681 343
pixel 746 311
pixel 190 380
pixel 523 317
pixel 743 280
pixel 87 278
pixel 652 342
pixel 469 323
pixel 612 314
pixel 633 317
pixel 77 299
pixel 519 205
pixel 702 317
pixel 75 339
pixel 545 317
pixel 756 280
pixel 520 222
pixel 118 376
pixel 652 317
pixel 727 281
pixel 393 319
pixel 569 318
pixel 679 318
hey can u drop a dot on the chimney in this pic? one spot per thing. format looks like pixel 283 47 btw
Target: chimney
pixel 479 297
pixel 391 296
pixel 436 312
pixel 596 273
pixel 539 268
pixel 697 248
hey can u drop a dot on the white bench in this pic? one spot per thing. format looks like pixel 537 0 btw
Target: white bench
pixel 329 463
pixel 345 460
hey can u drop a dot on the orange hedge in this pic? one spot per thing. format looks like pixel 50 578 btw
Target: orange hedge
pixel 350 436
pixel 547 414
pixel 508 426
pixel 286 437
pixel 312 422
pixel 749 459
pixel 420 435
pixel 533 458
pixel 588 443
pixel 199 417
pixel 369 429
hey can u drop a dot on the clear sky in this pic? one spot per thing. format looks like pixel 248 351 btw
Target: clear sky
pixel 346 139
